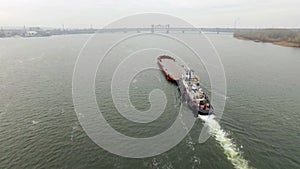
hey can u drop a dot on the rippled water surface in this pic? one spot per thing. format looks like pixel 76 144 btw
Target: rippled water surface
pixel 39 127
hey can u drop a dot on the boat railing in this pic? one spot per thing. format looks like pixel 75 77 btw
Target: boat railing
pixel 166 57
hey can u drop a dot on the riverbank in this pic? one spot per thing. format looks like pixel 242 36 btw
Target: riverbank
pixel 282 37
pixel 39 32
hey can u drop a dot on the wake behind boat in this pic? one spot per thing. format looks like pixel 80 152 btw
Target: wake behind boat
pixel 188 83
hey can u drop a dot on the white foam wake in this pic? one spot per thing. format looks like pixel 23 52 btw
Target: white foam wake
pixel 233 153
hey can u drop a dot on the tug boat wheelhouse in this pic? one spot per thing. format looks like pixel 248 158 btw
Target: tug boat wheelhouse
pixel 188 83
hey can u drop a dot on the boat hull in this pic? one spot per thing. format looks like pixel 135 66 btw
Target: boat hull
pixel 173 73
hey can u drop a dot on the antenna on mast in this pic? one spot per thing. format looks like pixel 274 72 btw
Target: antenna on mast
pixel 236 22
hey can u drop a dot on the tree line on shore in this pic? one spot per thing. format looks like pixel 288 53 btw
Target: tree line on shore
pixel 270 35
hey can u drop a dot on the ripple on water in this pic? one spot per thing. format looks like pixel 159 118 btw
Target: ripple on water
pixel 231 150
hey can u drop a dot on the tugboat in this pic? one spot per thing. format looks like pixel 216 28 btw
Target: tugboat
pixel 188 83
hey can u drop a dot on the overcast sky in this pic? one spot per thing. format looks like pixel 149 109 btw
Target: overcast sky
pixel 201 13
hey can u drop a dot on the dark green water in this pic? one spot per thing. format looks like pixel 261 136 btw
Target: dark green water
pixel 39 127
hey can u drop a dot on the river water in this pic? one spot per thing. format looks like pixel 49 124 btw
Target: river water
pixel 39 127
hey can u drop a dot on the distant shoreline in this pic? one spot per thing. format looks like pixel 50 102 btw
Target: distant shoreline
pixel 281 37
pixel 280 43
pixel 39 32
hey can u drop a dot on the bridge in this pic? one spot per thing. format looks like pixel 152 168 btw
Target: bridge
pixel 168 29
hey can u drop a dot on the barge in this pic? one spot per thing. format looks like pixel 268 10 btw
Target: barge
pixel 188 83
